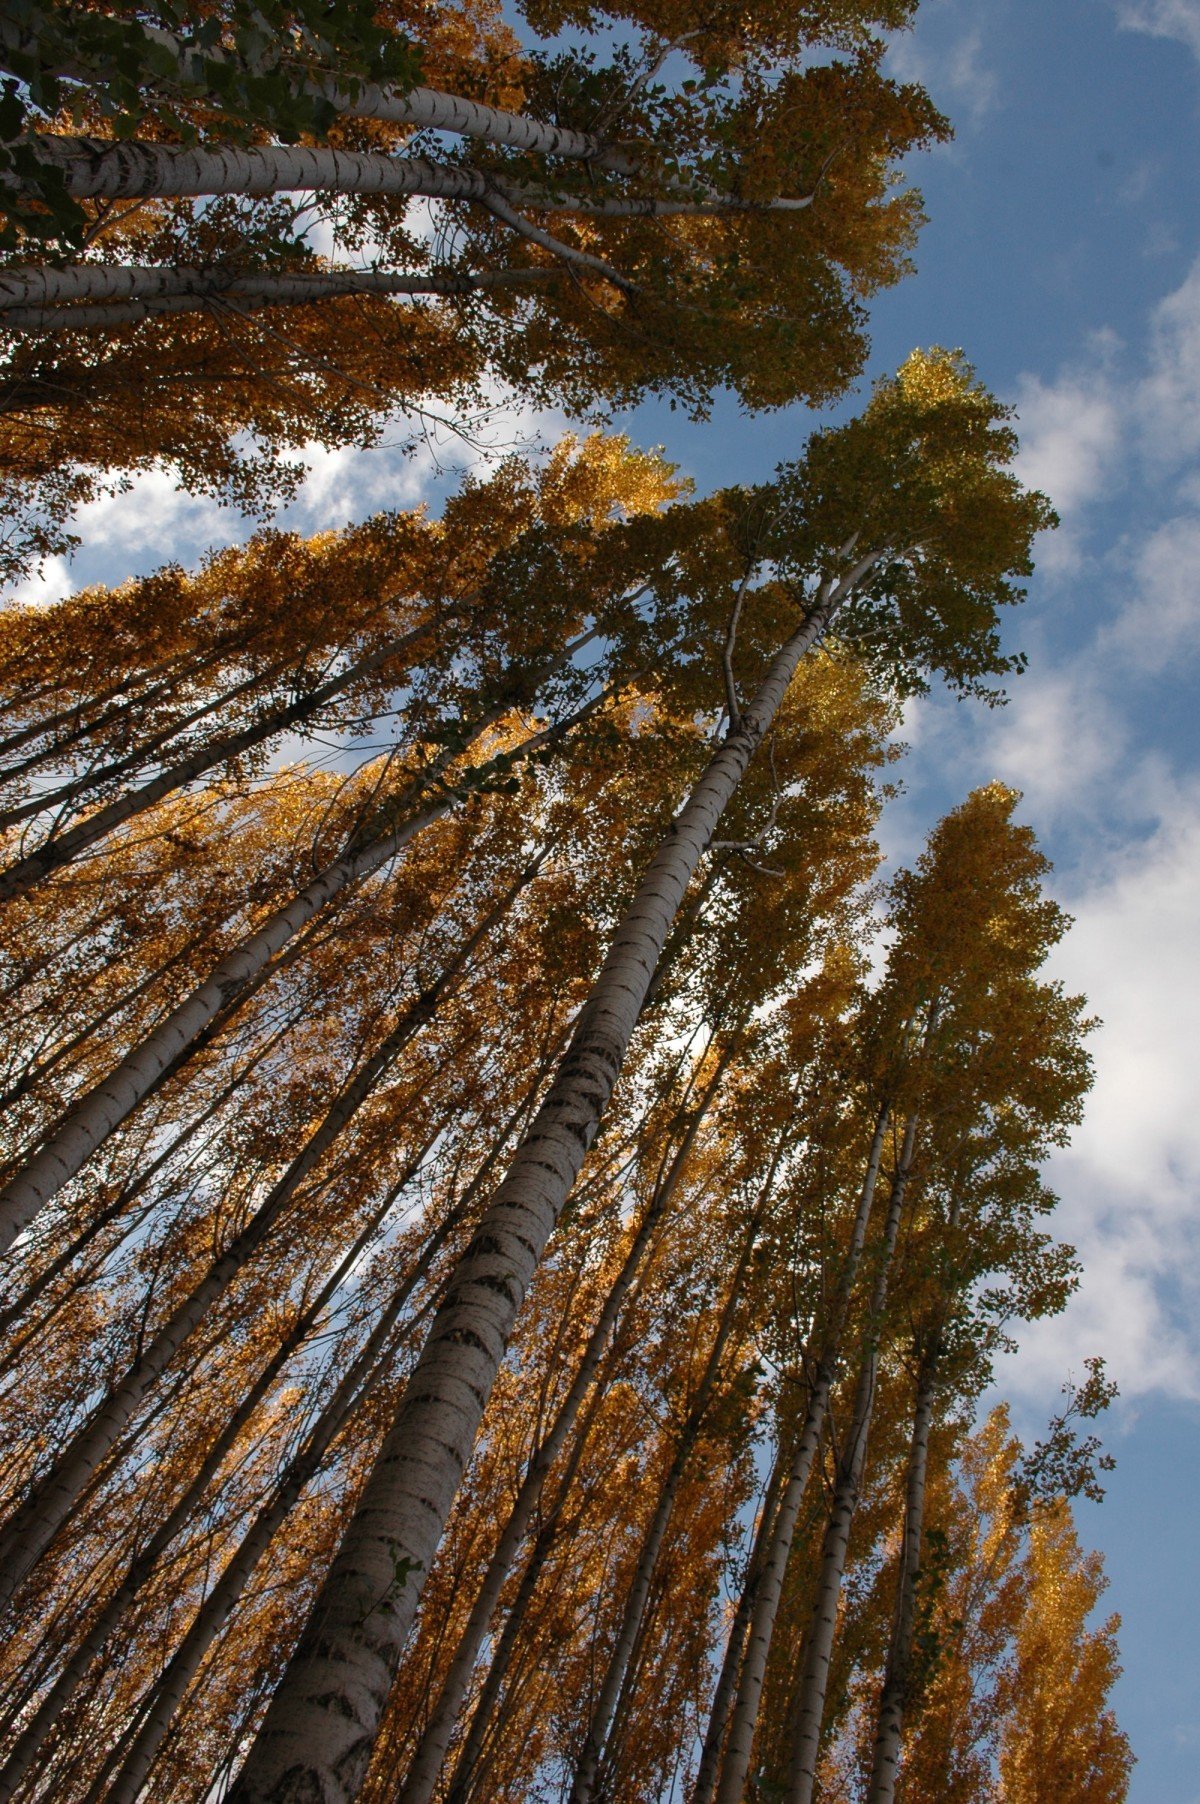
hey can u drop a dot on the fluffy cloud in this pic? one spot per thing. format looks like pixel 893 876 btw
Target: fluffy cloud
pixel 947 61
pixel 1130 1180
pixel 1164 19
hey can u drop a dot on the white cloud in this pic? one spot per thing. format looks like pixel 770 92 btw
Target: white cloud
pixel 1164 19
pixel 1169 396
pixel 1131 1180
pixel 954 70
pixel 1070 432
pixel 1160 622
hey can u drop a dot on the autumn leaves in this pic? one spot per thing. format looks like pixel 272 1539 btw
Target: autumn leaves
pixel 495 1285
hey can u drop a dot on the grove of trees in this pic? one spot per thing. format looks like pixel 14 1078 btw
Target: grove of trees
pixel 508 1213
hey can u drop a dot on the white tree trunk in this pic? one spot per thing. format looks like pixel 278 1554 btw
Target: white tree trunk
pixel 595 1751
pixel 725 1691
pixel 422 1776
pixel 772 1566
pixel 170 1690
pixel 320 1727
pixel 21 877
pixel 818 1643
pixel 81 1131
pixel 897 1677
pixel 423 109
pixel 34 1525
pixel 88 295
pixel 141 169
pixel 146 1559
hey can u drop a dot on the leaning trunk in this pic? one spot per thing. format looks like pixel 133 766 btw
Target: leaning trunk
pixel 184 1664
pixel 818 1643
pixel 595 1752
pixel 775 1535
pixel 64 847
pixel 322 1722
pixel 427 1762
pixel 898 1674
pixel 39 1519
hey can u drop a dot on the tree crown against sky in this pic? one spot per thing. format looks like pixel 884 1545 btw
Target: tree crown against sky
pixel 500 1261
pixel 660 233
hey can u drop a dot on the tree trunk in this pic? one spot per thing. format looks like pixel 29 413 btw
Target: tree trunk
pixel 181 1670
pixel 595 1752
pixel 146 1560
pixel 725 1692
pixel 774 1546
pixel 98 775
pixel 33 1074
pixel 320 1727
pixel 818 1642
pixel 128 1192
pixel 898 1673
pixel 32 1528
pixel 90 1122
pixel 152 293
pixel 138 169
pixel 61 850
pixel 426 1764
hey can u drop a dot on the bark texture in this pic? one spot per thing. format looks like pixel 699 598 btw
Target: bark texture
pixel 885 1768
pixel 316 1740
pixel 32 1528
pixel 773 1560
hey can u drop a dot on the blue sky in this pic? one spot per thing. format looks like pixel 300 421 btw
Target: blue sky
pixel 1063 254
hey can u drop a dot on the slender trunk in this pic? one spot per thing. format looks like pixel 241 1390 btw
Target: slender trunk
pixel 90 1122
pixel 373 1360
pixel 898 1673
pixel 776 1538
pixel 163 1052
pixel 32 1527
pixel 320 1727
pixel 426 1764
pixel 33 1074
pixel 720 1710
pixel 146 1560
pixel 818 1641
pixel 423 109
pixel 156 293
pixel 138 168
pixel 484 1717
pixel 595 1751
pixel 127 1193
pixel 60 851
pixel 98 775
pixel 177 666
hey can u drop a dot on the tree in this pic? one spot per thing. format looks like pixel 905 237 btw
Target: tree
pixel 353 1649
pixel 612 230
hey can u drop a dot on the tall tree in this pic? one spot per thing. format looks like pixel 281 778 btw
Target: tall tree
pixel 705 208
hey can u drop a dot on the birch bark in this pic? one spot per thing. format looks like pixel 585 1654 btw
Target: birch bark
pixel 318 1733
pixel 142 1566
pixel 26 1537
pixel 81 1131
pixel 426 1765
pixel 595 1751
pixel 818 1644
pixel 169 1693
pixel 725 1692
pixel 138 168
pixel 19 878
pixel 893 1702
pixel 772 1562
